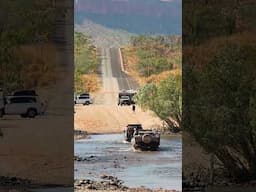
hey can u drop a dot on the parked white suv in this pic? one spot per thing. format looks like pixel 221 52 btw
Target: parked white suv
pixel 25 106
pixel 84 99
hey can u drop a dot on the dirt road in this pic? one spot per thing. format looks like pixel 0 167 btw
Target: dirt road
pixel 104 115
pixel 111 119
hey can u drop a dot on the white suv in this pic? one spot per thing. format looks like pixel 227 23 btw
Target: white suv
pixel 25 106
pixel 84 99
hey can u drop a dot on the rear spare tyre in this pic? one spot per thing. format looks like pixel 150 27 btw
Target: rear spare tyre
pixel 147 138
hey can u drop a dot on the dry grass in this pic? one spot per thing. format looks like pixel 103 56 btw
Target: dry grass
pixel 203 54
pixel 90 82
pixel 38 64
pixel 130 60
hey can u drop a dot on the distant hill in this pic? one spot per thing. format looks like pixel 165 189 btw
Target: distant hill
pixel 134 16
pixel 102 36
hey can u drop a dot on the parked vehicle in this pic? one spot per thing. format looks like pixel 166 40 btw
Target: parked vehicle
pixel 84 99
pixel 125 97
pixel 130 130
pixel 146 140
pixel 124 100
pixel 25 103
pixel 25 106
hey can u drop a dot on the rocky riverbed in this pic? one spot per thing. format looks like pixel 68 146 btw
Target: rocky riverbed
pixel 14 181
pixel 15 184
pixel 110 183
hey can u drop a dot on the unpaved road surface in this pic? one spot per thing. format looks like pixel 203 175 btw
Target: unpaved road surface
pixel 104 115
pixel 112 119
pixel 39 150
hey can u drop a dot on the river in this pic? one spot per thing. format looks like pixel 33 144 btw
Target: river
pixel 110 155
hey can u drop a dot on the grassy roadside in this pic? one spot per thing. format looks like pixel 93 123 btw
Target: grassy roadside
pixel 152 59
pixel 86 63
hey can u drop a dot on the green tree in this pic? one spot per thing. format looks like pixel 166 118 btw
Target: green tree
pixel 221 115
pixel 22 23
pixel 152 63
pixel 164 99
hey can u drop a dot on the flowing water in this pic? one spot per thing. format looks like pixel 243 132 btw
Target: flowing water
pixel 109 155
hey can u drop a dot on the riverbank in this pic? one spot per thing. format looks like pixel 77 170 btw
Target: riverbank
pixel 79 134
pixel 16 184
pixel 110 183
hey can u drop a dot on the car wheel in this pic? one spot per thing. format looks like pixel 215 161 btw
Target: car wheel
pixel 87 103
pixel 1 113
pixel 31 113
pixel 23 115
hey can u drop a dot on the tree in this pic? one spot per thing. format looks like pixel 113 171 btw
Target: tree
pixel 164 99
pixel 151 62
pixel 222 111
pixel 86 62
pixel 22 23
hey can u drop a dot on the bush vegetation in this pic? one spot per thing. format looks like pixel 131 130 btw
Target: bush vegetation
pixel 152 53
pixel 158 60
pixel 219 82
pixel 86 63
pixel 26 27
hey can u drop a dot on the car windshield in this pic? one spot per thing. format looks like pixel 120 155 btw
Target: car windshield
pixel 25 92
pixel 85 94
pixel 84 97
pixel 23 100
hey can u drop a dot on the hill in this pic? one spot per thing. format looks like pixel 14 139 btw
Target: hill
pixel 134 16
pixel 102 36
